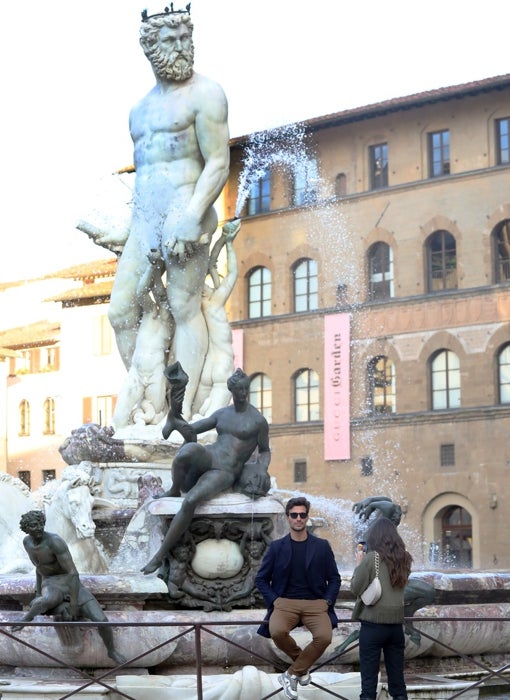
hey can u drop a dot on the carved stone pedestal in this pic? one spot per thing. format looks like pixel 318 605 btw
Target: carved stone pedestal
pixel 215 564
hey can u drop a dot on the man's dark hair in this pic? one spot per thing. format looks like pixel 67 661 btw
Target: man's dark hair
pixel 33 517
pixel 298 501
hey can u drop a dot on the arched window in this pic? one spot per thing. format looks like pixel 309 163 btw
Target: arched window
pixel 501 251
pixel 381 380
pixel 259 197
pixel 24 417
pixel 306 395
pixel 504 374
pixel 259 292
pixel 380 271
pixel 441 261
pixel 306 286
pixel 261 395
pixel 445 380
pixel 49 417
pixel 457 537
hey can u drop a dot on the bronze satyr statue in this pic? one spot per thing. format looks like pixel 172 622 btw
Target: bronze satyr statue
pixel 382 505
pixel 59 591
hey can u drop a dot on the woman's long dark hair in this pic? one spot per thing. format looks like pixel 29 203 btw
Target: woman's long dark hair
pixel 383 537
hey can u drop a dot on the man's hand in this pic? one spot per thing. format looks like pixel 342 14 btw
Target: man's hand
pixel 183 250
pixel 182 236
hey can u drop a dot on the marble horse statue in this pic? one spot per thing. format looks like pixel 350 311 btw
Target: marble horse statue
pixel 68 510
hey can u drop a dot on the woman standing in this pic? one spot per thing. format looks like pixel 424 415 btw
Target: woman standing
pixel 382 623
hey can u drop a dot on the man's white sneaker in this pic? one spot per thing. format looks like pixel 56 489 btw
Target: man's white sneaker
pixel 289 684
pixel 305 679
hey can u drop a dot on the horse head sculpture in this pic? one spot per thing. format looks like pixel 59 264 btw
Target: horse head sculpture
pixel 68 510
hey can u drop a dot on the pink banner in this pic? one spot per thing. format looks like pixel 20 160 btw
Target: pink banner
pixel 238 347
pixel 337 442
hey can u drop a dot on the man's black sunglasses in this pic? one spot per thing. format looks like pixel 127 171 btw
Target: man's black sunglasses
pixel 298 515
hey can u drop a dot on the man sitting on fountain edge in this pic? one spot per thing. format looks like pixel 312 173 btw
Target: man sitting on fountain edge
pixel 299 581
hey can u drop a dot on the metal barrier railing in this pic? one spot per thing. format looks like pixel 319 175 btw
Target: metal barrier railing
pixel 199 628
pixel 490 672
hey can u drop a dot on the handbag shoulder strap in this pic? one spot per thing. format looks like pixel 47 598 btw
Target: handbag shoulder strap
pixel 376 561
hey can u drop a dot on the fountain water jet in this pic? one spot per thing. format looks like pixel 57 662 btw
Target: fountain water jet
pixel 285 147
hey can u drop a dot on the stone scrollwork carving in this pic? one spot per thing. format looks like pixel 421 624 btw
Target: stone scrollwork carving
pixel 213 567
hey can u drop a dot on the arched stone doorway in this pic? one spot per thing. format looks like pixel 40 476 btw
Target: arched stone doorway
pixel 451 532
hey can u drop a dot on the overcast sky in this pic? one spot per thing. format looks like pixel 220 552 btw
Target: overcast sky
pixel 72 70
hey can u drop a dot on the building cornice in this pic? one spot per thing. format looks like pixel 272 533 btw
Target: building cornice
pixel 398 104
pixel 398 420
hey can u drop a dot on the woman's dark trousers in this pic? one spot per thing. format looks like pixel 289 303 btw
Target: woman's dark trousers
pixel 389 639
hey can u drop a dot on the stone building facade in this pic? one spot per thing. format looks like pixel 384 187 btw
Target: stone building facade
pixel 61 365
pixel 398 215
